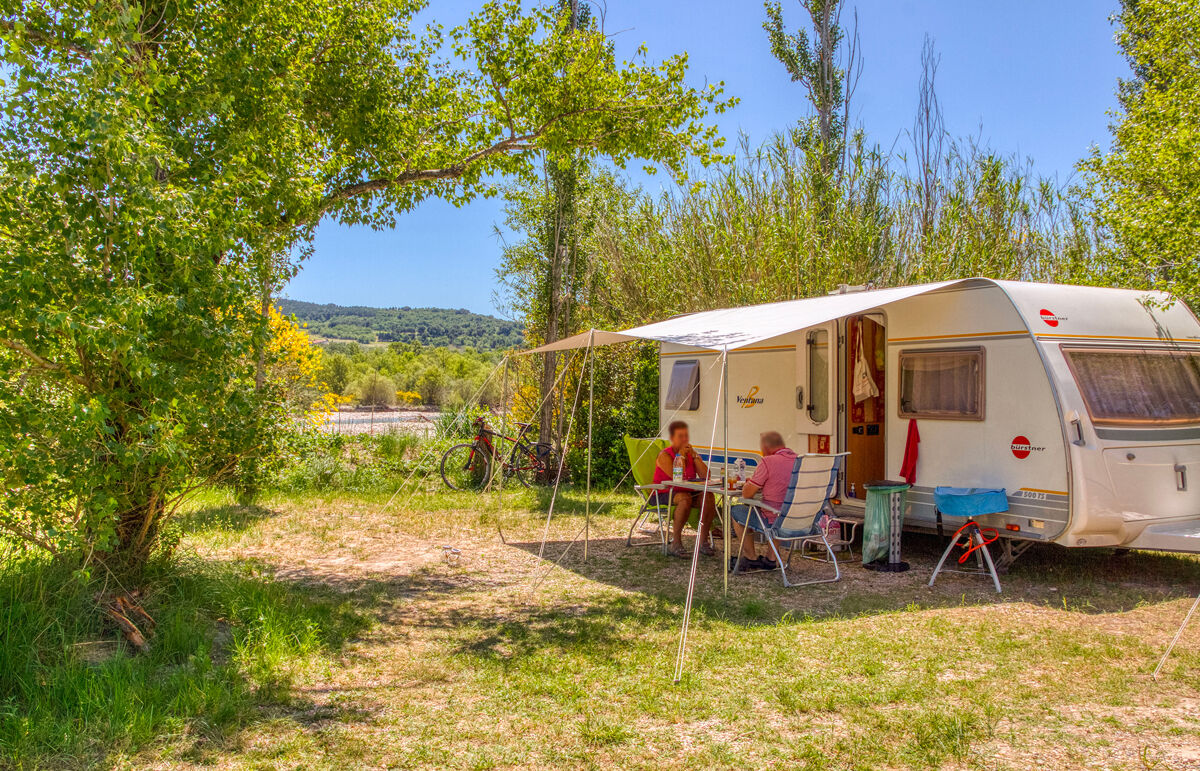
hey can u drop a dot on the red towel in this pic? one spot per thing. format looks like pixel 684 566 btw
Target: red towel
pixel 908 468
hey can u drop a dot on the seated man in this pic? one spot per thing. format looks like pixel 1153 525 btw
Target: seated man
pixel 771 480
pixel 682 500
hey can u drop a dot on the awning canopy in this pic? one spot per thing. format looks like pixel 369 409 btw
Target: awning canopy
pixel 734 328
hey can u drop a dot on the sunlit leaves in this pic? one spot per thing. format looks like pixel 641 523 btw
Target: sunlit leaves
pixel 164 164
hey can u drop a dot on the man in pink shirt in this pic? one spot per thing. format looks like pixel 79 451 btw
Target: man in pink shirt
pixel 771 478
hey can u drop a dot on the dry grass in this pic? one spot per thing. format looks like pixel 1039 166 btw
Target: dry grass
pixel 478 665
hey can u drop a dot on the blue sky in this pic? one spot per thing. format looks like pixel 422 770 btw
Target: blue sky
pixel 1028 77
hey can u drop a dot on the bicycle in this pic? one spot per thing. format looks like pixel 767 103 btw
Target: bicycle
pixel 469 466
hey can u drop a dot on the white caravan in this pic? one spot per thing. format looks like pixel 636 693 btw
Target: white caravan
pixel 1082 402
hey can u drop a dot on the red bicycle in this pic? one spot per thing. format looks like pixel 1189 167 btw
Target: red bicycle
pixel 469 466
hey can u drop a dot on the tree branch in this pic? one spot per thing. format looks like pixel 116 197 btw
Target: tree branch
pixel 29 537
pixel 45 40
pixel 41 362
pixel 518 143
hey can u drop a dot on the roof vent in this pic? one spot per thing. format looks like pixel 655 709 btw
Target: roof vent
pixel 848 288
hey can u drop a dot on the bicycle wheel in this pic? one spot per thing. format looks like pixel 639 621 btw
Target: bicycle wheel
pixel 465 467
pixel 521 468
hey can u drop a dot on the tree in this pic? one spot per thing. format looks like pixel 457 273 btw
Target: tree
pixel 335 372
pixel 928 137
pixel 559 242
pixel 1147 186
pixel 828 65
pixel 376 391
pixel 158 158
pixel 828 79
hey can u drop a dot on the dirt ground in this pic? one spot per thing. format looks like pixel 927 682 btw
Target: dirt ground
pixel 1091 624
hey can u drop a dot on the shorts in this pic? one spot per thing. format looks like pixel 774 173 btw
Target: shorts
pixel 758 519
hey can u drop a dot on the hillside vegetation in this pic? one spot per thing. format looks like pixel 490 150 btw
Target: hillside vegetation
pixel 429 326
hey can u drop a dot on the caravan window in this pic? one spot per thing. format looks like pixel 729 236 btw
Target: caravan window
pixel 818 375
pixel 945 384
pixel 683 391
pixel 1137 386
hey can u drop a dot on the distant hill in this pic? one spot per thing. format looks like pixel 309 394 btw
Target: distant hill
pixel 430 326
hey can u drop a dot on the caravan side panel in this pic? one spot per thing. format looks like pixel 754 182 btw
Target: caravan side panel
pixel 1135 485
pixel 762 397
pixel 1018 445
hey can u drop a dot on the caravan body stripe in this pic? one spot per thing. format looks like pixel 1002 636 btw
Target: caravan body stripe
pixel 1192 340
pixel 964 336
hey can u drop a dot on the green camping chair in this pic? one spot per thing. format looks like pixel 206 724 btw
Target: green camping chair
pixel 643 454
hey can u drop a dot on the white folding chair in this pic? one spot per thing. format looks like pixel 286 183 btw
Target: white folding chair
pixel 813 483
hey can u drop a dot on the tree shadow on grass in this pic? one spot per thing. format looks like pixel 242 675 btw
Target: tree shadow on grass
pixel 225 648
pixel 1087 581
pixel 224 518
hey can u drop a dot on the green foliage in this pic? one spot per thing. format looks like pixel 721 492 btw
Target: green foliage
pixel 158 163
pixel 444 377
pixel 435 327
pixel 227 641
pixel 626 403
pixel 335 372
pixel 361 463
pixel 1147 187
pixel 374 390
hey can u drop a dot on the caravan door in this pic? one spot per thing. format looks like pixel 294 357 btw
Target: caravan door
pixel 865 356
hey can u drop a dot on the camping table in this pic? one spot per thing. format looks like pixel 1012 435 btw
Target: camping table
pixel 716 487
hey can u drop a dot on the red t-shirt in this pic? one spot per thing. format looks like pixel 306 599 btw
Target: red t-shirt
pixel 689 468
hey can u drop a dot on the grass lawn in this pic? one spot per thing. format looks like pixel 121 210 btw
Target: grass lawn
pixel 505 661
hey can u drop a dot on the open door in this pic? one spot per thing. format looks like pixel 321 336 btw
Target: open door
pixel 866 342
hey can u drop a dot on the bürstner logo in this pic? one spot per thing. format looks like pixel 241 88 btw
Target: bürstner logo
pixel 1021 447
pixel 750 399
pixel 1050 317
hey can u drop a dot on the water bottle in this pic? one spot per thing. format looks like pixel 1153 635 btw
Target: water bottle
pixel 677 469
pixel 740 469
pixel 852 493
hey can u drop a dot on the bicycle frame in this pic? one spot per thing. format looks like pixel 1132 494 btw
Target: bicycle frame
pixel 484 435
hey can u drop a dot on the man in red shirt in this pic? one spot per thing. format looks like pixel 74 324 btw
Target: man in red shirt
pixel 771 479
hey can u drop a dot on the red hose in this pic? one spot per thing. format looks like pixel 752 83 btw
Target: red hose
pixel 984 535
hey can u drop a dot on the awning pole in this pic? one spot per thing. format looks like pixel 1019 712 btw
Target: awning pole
pixel 691 588
pixel 728 523
pixel 587 521
pixel 1175 639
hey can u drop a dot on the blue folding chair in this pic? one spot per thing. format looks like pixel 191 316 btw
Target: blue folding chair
pixel 812 485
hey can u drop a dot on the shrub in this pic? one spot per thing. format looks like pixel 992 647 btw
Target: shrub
pixel 375 390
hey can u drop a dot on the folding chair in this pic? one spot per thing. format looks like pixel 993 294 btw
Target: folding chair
pixel 813 483
pixel 643 454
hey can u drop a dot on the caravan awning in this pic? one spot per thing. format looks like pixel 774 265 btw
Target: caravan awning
pixel 734 328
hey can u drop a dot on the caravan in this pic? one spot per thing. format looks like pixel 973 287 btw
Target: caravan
pixel 1082 402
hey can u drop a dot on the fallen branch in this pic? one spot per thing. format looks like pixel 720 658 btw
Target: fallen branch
pixel 119 609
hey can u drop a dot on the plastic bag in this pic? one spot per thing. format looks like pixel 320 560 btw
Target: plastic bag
pixel 863 386
pixel 877 528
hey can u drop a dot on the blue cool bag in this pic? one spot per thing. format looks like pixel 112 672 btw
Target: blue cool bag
pixel 970 502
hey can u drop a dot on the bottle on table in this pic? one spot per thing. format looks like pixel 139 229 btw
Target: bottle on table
pixel 677 468
pixel 740 467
